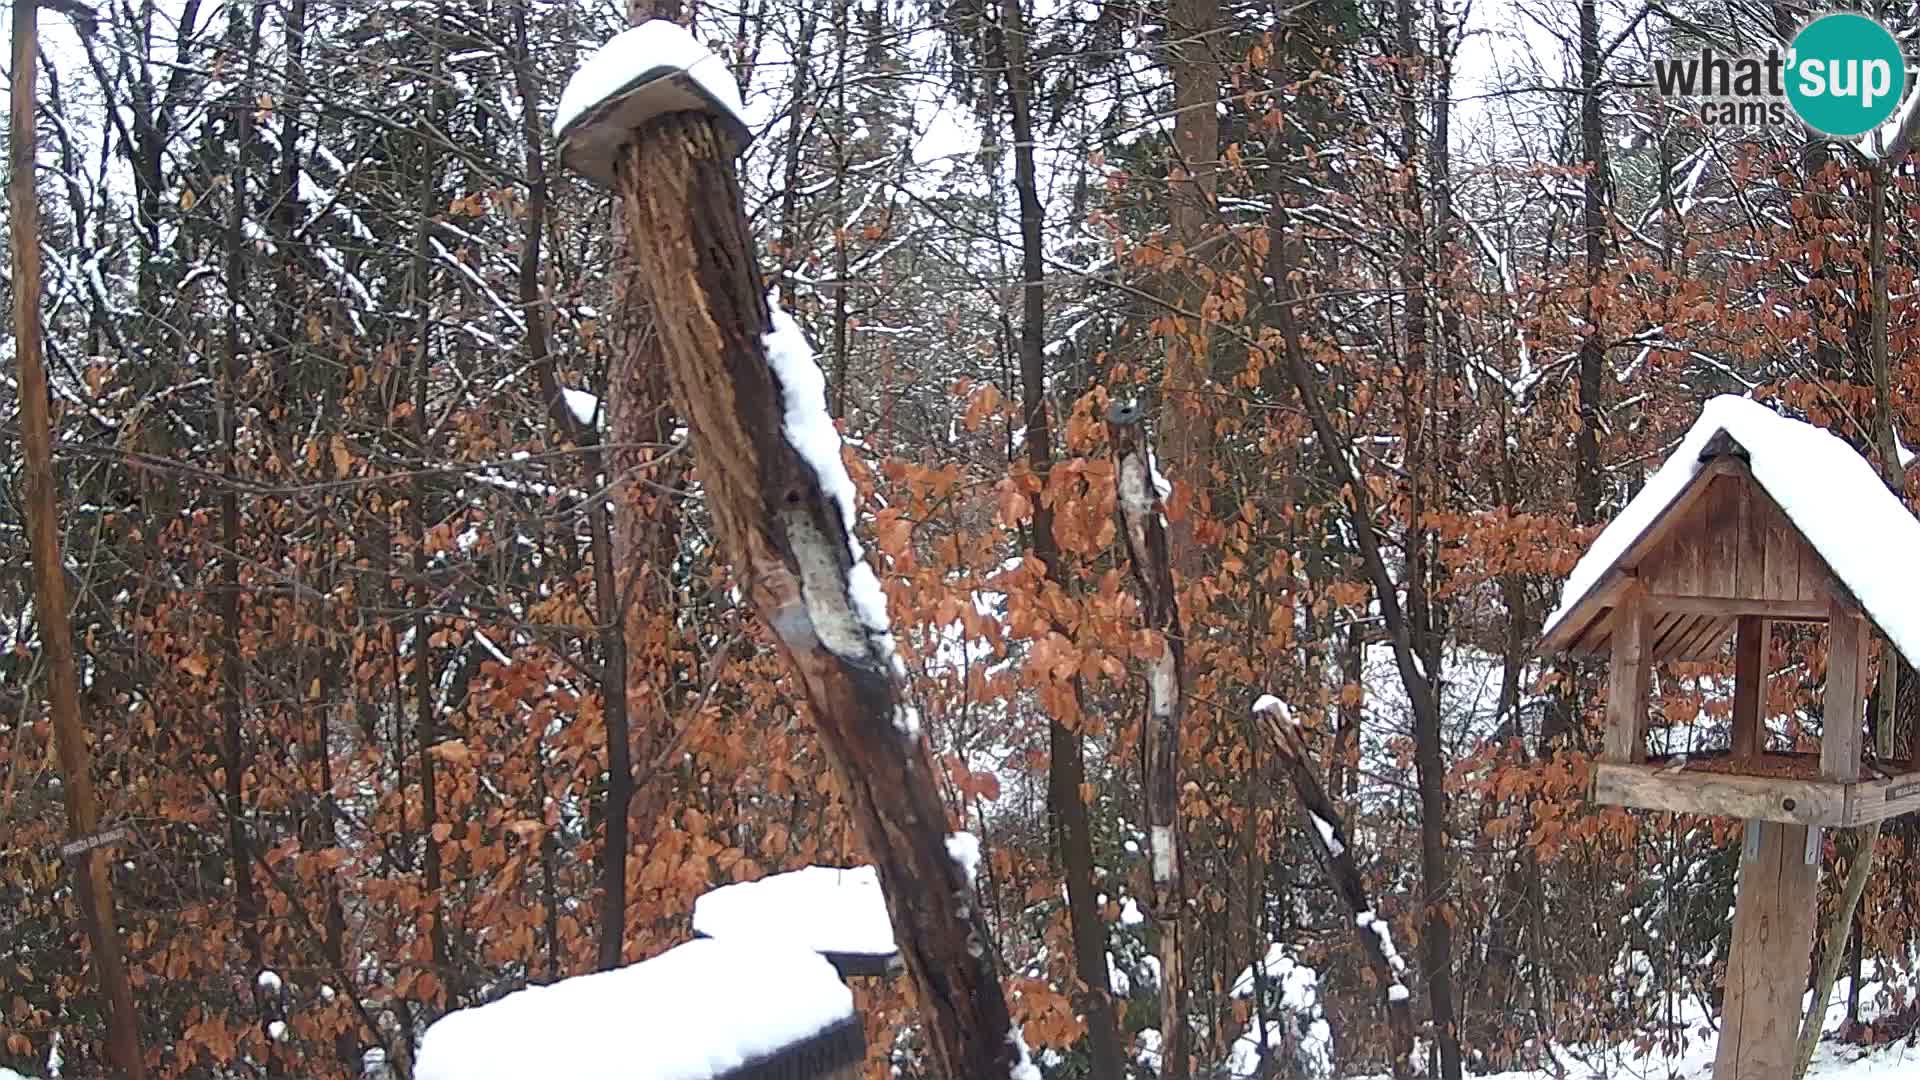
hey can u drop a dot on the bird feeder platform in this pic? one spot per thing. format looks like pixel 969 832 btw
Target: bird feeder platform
pixel 1786 788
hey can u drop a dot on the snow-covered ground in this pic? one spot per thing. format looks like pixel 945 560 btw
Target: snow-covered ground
pixel 1693 1060
pixel 1832 1062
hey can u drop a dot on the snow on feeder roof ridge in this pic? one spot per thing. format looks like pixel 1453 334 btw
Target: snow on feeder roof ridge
pixel 705 1010
pixel 837 912
pixel 1830 494
pixel 643 72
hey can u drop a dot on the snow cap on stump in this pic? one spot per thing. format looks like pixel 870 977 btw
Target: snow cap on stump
pixel 645 72
pixel 706 1010
pixel 838 913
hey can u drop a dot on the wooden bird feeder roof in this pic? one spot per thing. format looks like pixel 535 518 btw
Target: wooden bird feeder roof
pixel 1753 514
pixel 1754 519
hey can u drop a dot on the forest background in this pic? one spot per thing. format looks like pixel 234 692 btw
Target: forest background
pixel 327 333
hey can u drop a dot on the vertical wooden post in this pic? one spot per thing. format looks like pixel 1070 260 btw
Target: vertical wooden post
pixel 1750 686
pixel 1773 916
pixel 1848 646
pixel 1627 678
pixel 1770 956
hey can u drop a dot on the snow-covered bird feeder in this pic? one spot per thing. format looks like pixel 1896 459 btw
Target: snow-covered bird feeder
pixel 706 1010
pixel 1754 519
pixel 645 72
pixel 837 913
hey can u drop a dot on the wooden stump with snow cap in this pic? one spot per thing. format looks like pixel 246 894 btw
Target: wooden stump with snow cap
pixel 745 382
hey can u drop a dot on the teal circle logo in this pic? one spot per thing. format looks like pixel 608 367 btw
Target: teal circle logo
pixel 1845 74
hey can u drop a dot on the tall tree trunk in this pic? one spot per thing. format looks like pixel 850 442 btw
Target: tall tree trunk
pixel 841 286
pixel 632 552
pixel 1421 614
pixel 332 655
pixel 798 115
pixel 92 880
pixel 1336 452
pixel 233 679
pixel 1593 226
pixel 1564 699
pixel 426 721
pixel 609 614
pixel 1193 62
pixel 1866 841
pixel 1192 177
pixel 1066 770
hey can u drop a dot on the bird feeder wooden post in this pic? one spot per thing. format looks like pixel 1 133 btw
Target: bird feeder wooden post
pixel 1709 551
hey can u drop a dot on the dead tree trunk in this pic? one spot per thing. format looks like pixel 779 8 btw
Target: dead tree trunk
pixel 93 887
pixel 1144 524
pixel 783 508
pixel 1333 844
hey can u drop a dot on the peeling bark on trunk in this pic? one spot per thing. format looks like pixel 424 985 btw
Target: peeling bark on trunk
pixel 1144 525
pixel 787 542
pixel 1335 851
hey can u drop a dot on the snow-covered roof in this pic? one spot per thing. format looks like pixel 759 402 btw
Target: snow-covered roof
pixel 1836 501
pixel 645 71
pixel 696 1012
pixel 840 913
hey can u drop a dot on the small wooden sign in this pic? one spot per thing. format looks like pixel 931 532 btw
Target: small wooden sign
pixel 75 848
pixel 1901 791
